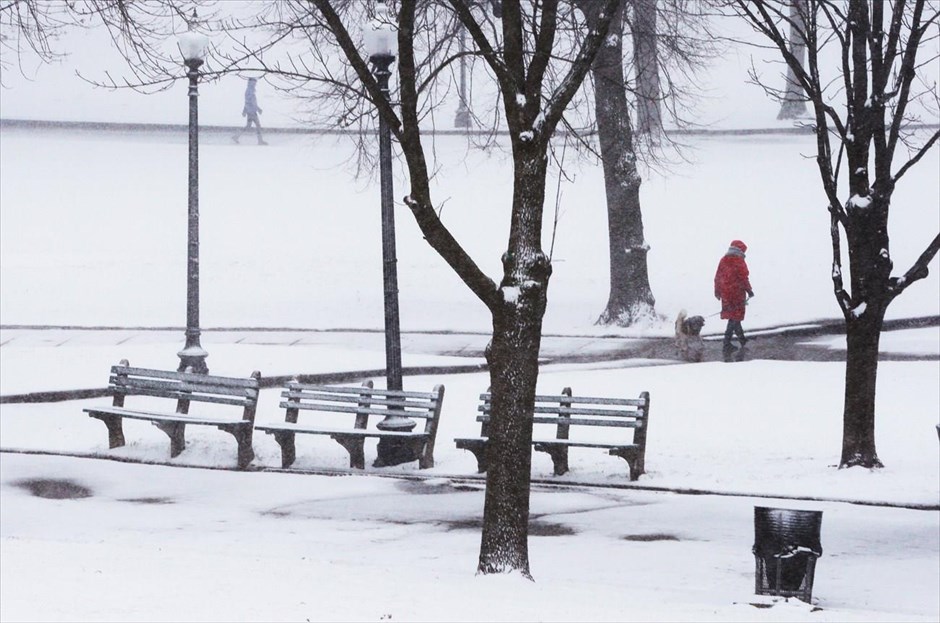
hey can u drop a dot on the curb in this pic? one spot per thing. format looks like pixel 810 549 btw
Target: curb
pixel 481 480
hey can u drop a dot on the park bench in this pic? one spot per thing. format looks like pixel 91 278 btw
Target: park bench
pixel 185 388
pixel 564 412
pixel 324 405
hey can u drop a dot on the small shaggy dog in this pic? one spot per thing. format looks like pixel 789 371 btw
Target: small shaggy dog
pixel 689 336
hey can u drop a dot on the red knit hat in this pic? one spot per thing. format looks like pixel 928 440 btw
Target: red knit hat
pixel 737 244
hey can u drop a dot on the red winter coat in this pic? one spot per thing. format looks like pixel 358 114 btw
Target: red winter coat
pixel 731 282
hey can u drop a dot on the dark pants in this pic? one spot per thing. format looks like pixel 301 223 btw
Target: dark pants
pixel 734 328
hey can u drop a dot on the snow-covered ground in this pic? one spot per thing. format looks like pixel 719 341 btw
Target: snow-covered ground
pixel 156 543
pixel 290 240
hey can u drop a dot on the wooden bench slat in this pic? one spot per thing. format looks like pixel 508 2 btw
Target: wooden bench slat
pixel 306 406
pixel 165 417
pixel 580 411
pixel 128 387
pixel 353 432
pixel 577 422
pixel 222 400
pixel 189 376
pixel 185 386
pixel 427 402
pixel 582 444
pixel 556 399
pixel 557 409
pixel 336 389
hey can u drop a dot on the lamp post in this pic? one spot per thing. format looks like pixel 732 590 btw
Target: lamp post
pixel 381 46
pixel 462 119
pixel 193 46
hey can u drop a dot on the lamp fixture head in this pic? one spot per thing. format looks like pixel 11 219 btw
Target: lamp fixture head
pixel 192 43
pixel 380 36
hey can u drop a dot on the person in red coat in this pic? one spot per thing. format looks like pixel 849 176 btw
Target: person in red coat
pixel 733 288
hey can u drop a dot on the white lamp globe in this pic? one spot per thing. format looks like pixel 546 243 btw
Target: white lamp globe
pixel 380 36
pixel 193 44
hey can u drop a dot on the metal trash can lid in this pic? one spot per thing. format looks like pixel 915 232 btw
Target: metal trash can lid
pixel 783 532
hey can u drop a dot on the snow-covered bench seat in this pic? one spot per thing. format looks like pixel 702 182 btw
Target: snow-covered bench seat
pixel 184 388
pixel 563 412
pixel 324 406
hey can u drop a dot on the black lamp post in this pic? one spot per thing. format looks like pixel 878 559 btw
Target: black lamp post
pixel 193 46
pixel 380 45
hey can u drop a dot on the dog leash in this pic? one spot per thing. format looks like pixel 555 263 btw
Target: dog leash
pixel 746 301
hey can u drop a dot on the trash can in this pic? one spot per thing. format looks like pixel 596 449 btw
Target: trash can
pixel 786 546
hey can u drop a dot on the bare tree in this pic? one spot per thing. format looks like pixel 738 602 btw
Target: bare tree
pixel 681 42
pixel 30 30
pixel 538 68
pixel 875 84
pixel 631 298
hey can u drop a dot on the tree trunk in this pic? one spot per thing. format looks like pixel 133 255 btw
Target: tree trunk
pixel 793 105
pixel 870 269
pixel 861 371
pixel 646 59
pixel 513 359
pixel 631 298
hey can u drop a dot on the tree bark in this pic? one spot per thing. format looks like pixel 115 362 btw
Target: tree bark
pixel 646 60
pixel 631 298
pixel 870 269
pixel 793 105
pixel 513 359
pixel 861 371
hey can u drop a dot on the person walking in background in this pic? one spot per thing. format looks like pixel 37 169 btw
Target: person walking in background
pixel 250 111
pixel 733 289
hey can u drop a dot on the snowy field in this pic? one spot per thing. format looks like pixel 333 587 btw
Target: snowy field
pixel 290 239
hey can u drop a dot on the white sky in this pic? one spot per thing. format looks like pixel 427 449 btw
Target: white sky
pixel 58 91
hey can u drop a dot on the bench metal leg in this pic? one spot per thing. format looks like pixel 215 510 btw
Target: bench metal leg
pixel 478 448
pixel 115 429
pixel 242 434
pixel 633 458
pixel 559 454
pixel 176 431
pixel 355 447
pixel 288 452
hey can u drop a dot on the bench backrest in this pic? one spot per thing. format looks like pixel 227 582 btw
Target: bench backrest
pixel 565 410
pixel 184 387
pixel 362 402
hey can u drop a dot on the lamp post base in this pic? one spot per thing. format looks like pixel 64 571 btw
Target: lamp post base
pixel 396 451
pixel 193 359
pixel 462 119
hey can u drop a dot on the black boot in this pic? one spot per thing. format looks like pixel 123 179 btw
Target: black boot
pixel 728 351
